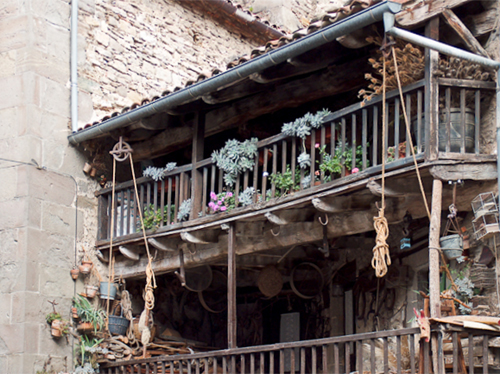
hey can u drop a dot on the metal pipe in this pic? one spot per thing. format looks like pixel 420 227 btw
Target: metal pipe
pixel 355 22
pixel 442 47
pixel 74 65
pixel 498 136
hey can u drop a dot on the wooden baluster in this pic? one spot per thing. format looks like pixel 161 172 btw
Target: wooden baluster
pixel 148 196
pixel 313 158
pixel 412 353
pixel 213 175
pixel 262 363
pixel 419 121
pixel 155 196
pixel 283 162
pixel 364 138
pixel 177 196
pixel 462 119
pixel 282 361
pixel 216 368
pixel 477 120
pixel 314 360
pixel 237 190
pixel 353 140
pixel 252 363
pixel 172 367
pixel 221 182
pixel 359 354
pixel 162 202
pixel 375 136
pixel 189 367
pixel 169 202
pixel 293 161
pixel 336 357
pixel 408 115
pixel 398 354
pixel 447 94
pixel 271 362
pixel 324 358
pixel 343 140
pixel 302 360
pixel 264 172
pixel 372 356
pixel 197 363
pixel 224 365
pixel 155 368
pixel 242 364
pixel 275 168
pixel 204 191
pixel 292 361
pixel 246 177
pixel 128 199
pixel 347 347
pixel 386 355
pixel 256 176
pixel 485 354
pixel 397 105
pixel 147 368
pixel 233 364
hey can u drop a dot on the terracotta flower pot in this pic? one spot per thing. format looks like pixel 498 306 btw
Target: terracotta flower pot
pixel 85 327
pixel 56 328
pixel 91 291
pixel 74 313
pixel 86 267
pixel 75 273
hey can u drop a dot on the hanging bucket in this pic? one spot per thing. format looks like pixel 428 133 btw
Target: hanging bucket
pixel 118 325
pixel 452 246
pixel 108 291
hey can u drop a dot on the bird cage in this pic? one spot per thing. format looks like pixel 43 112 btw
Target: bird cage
pixel 485 221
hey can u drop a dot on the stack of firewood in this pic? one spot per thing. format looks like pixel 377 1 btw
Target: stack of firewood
pixel 411 66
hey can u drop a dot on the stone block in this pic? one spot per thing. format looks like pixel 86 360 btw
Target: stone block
pixel 85 107
pixel 14 213
pixel 14 96
pixel 22 148
pixel 21 363
pixel 31 337
pixel 55 281
pixel 59 219
pixel 5 309
pixel 58 44
pixel 14 31
pixel 57 364
pixel 32 275
pixel 54 12
pixel 54 97
pixel 11 338
pixel 8 117
pixel 49 248
pixel 9 189
pixel 34 212
pixel 51 187
pixel 7 63
pixel 39 61
pixel 11 249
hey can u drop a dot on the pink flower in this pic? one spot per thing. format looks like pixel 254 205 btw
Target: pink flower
pixel 211 205
pixel 223 208
pixel 229 194
pixel 219 202
pixel 213 196
pixel 316 145
pixel 354 171
pixel 216 208
pixel 316 172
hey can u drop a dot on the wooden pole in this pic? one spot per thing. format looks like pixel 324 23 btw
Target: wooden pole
pixel 231 287
pixel 197 156
pixel 434 259
pixel 431 93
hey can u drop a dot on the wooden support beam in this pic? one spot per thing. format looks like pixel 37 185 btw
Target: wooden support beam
pixel 425 10
pixel 164 244
pixel 201 237
pixel 478 172
pixel 431 92
pixel 197 156
pixel 132 253
pixel 464 33
pixel 434 261
pixel 231 288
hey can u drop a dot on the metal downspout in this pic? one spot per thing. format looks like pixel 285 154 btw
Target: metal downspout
pixel 359 20
pixel 74 65
pixel 456 52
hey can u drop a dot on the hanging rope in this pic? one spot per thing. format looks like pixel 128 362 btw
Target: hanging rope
pixel 381 256
pixel 127 313
pixel 409 133
pixel 149 297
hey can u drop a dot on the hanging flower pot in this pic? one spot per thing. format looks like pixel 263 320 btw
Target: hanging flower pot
pixel 56 328
pixel 91 291
pixel 452 246
pixel 85 327
pixel 108 290
pixel 74 313
pixel 86 267
pixel 75 272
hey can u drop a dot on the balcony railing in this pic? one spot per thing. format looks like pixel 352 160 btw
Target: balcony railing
pixel 395 351
pixel 356 129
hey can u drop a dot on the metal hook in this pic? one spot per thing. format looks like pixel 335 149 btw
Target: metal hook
pixel 326 220
pixel 182 274
pixel 272 232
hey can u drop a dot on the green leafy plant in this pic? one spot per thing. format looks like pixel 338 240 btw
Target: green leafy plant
pixel 88 313
pixel 235 158
pixel 158 174
pixel 52 316
pixel 331 165
pixel 285 182
pixel 152 218
pixel 86 354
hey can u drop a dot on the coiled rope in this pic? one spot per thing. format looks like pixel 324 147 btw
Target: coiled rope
pixel 381 256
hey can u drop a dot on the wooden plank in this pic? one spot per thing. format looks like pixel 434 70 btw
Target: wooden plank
pixel 196 156
pixel 434 259
pixel 464 33
pixel 465 83
pixel 231 288
pixel 423 11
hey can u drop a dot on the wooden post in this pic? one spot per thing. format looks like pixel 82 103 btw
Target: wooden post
pixel 434 260
pixel 431 93
pixel 197 156
pixel 231 287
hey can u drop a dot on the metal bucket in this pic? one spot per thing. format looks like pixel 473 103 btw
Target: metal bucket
pixel 452 246
pixel 108 287
pixel 456 130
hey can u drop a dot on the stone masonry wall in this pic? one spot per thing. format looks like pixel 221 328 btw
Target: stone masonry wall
pixel 42 185
pixel 131 50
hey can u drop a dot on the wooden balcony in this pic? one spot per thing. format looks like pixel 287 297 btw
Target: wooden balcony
pixel 360 125
pixel 396 351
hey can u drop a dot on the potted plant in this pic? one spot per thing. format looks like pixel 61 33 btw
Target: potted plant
pixel 86 354
pixel 331 165
pixel 90 290
pixel 75 272
pixel 222 202
pixel 86 266
pixel 59 327
pixel 235 158
pixel 91 318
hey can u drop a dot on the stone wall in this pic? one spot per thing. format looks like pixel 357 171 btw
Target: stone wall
pixel 38 223
pixel 131 50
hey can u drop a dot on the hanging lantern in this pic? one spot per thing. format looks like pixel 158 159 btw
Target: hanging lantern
pixel 485 209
